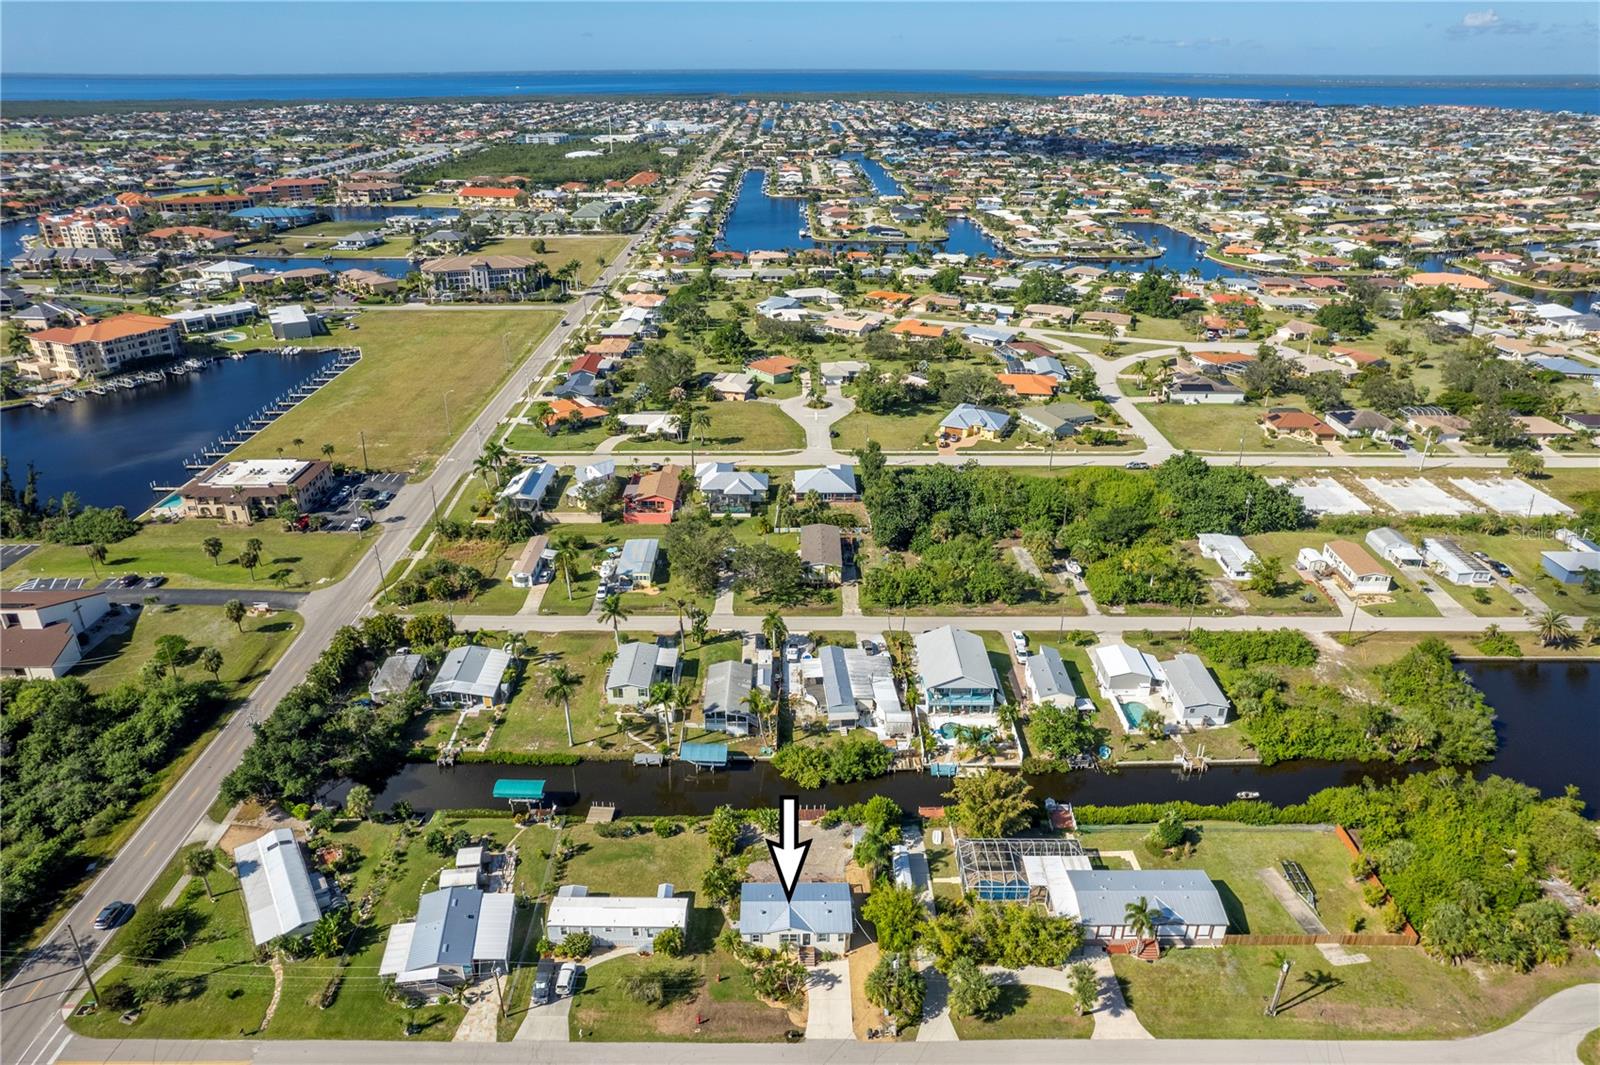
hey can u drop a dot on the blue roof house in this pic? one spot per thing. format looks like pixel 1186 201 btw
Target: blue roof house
pixel 819 915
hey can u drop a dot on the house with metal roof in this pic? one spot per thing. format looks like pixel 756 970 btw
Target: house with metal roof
pixel 954 672
pixel 967 420
pixel 1393 548
pixel 1229 552
pixel 461 934
pixel 830 483
pixel 1454 563
pixel 1048 679
pixel 728 490
pixel 1193 692
pixel 527 490
pixel 1123 672
pixel 282 897
pixel 819 915
pixel 723 703
pixel 1188 909
pixel 470 676
pixel 639 560
pixel 588 481
pixel 615 920
pixel 636 666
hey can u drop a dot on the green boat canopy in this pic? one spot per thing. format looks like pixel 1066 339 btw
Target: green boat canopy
pixel 526 790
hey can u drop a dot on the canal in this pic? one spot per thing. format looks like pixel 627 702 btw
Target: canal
pixel 108 449
pixel 1549 725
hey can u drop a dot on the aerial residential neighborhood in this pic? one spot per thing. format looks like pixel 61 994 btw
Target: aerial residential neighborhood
pixel 816 564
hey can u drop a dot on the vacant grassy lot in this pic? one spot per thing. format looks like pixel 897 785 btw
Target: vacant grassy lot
pixel 1208 427
pixel 412 362
pixel 589 251
pixel 1025 1012
pixel 534 723
pixel 292 561
pixel 246 655
pixel 752 426
pixel 912 429
pixel 315 241
pixel 1402 993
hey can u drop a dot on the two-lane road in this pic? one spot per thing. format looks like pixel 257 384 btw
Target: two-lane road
pixel 31 1001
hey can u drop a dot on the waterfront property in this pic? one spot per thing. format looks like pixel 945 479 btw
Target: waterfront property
pixel 43 633
pixel 724 705
pixel 282 896
pixel 470 676
pixel 818 915
pixel 244 491
pixel 397 673
pixel 100 348
pixel 614 920
pixel 1188 911
pixel 636 667
pixel 481 273
pixel 1048 679
pixel 954 672
pixel 460 935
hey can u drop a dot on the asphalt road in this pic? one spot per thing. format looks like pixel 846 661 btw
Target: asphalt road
pixel 1549 1033
pixel 30 1003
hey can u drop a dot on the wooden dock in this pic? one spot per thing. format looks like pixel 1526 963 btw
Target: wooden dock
pixel 601 813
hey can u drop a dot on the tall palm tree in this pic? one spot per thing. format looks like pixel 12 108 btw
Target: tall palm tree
pixel 562 683
pixel 1554 629
pixel 774 629
pixel 760 704
pixel 613 613
pixel 1140 917
pixel 566 561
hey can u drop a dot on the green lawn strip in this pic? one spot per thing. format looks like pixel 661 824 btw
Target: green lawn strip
pixel 1233 856
pixel 1222 428
pixel 749 426
pixel 246 654
pixel 411 362
pixel 289 560
pixel 1024 1012
pixel 1401 993
pixel 911 429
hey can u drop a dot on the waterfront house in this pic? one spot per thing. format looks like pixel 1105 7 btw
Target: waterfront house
pixel 246 490
pixel 471 676
pixel 954 671
pixel 43 632
pixel 294 322
pixel 614 920
pixel 397 673
pixel 1455 563
pixel 1358 571
pixel 1192 692
pixel 461 934
pixel 723 706
pixel 282 897
pixel 651 498
pixel 1123 672
pixel 817 915
pixel 1049 681
pixel 636 667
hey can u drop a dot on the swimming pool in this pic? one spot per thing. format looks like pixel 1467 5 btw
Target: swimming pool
pixel 233 336
pixel 1133 713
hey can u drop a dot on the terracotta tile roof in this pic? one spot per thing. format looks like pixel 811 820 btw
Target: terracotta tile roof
pixel 123 325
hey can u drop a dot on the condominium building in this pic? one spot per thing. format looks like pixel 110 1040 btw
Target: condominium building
pixel 98 348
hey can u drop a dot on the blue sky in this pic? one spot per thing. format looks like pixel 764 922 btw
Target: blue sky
pixel 1287 37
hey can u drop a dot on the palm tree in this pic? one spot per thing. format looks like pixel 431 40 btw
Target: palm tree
pixel 483 465
pixel 211 662
pixel 563 682
pixel 197 863
pixel 774 629
pixel 566 561
pixel 1591 628
pixel 97 555
pixel 613 613
pixel 1140 917
pixel 212 546
pixel 760 704
pixel 1554 630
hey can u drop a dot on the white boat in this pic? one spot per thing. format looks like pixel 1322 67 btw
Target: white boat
pixel 70 396
pixel 43 401
pixel 1247 795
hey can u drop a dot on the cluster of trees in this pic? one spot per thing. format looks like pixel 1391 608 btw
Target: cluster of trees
pixel 839 761
pixel 24 515
pixel 697 549
pixel 545 165
pixel 1426 710
pixel 317 735
pixel 1256 647
pixel 1063 733
pixel 75 764
pixel 439 579
pixel 964 569
pixel 1158 294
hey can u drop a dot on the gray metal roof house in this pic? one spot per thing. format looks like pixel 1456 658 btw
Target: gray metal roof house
pixel 727 684
pixel 954 671
pixel 1193 692
pixel 639 559
pixel 637 666
pixel 1048 679
pixel 282 897
pixel 460 934
pixel 818 914
pixel 1187 905
pixel 470 675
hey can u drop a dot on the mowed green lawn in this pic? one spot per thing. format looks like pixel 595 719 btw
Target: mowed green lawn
pixel 752 426
pixel 1025 1012
pixel 289 560
pixel 246 654
pixel 1216 427
pixel 412 361
pixel 559 250
pixel 1402 993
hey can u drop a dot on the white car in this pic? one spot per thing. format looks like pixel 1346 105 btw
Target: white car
pixel 1019 643
pixel 566 979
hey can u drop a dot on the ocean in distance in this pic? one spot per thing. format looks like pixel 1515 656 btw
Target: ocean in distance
pixel 1574 93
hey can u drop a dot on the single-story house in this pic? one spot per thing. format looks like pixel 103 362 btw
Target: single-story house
pixel 470 676
pixel 1193 692
pixel 460 935
pixel 614 920
pixel 1454 563
pixel 1188 909
pixel 282 896
pixel 1571 566
pixel 831 483
pixel 398 672
pixel 1393 548
pixel 818 915
pixel 1357 570
pixel 822 552
pixel 1048 679
pixel 531 563
pixel 1229 552
pixel 637 666
pixel 728 490
pixel 1056 419
pixel 967 420
pixel 639 560
pixel 1123 672
pixel 527 490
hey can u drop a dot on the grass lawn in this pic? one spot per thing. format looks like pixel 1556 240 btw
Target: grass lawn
pixel 1402 993
pixel 246 656
pixel 1024 1012
pixel 1233 856
pixel 1219 428
pixel 1589 1049
pixel 289 560
pixel 534 723
pixel 1521 553
pixel 752 426
pixel 412 361
pixel 905 431
pixel 559 250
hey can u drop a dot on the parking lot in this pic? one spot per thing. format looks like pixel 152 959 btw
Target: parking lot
pixel 343 511
pixel 10 553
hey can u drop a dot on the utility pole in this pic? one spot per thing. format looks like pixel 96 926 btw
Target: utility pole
pixel 83 963
pixel 1277 992
pixel 365 466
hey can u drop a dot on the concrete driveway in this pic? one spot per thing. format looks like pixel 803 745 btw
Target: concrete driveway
pixel 828 1002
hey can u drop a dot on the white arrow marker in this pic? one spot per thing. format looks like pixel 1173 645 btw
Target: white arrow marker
pixel 789 854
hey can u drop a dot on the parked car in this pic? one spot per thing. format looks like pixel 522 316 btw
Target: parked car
pixel 155 582
pixel 113 915
pixel 567 979
pixel 1500 568
pixel 127 580
pixel 1135 464
pixel 544 982
pixel 1019 643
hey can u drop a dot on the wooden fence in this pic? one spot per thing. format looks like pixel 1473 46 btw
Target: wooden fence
pixel 1407 933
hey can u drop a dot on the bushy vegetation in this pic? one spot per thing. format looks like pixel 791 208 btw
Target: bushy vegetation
pixel 965 569
pixel 25 515
pixel 1241 650
pixel 439 579
pixel 839 761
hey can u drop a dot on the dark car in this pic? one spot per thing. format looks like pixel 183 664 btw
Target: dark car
pixel 113 915
pixel 544 982
pixel 154 582
pixel 1500 568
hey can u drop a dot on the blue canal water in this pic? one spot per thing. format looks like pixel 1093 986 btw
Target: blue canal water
pixel 1529 93
pixel 109 449
pixel 390 267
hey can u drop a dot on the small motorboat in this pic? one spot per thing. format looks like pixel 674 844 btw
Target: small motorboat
pixel 1247 795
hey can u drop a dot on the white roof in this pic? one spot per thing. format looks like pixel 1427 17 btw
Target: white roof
pixel 495 916
pixel 948 657
pixel 612 911
pixel 277 886
pixel 256 473
pixel 1118 659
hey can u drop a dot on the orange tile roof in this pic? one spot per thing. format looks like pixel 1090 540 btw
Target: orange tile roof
pixel 561 409
pixel 913 327
pixel 1028 384
pixel 485 192
pixel 123 325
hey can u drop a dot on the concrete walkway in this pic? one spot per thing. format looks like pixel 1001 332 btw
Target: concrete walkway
pixel 817 422
pixel 937 1024
pixel 828 1013
pixel 1112 1017
pixel 549 1023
